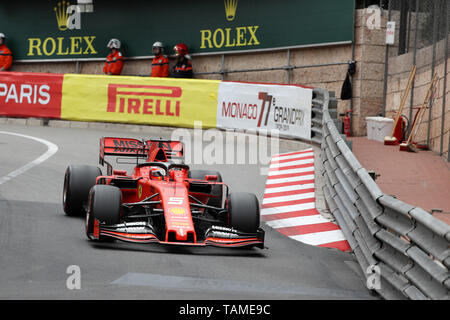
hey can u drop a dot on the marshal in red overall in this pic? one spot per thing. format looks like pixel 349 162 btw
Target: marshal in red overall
pixel 161 200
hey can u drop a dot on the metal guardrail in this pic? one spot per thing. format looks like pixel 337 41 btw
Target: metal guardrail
pixel 407 247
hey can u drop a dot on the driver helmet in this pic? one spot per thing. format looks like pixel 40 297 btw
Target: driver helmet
pixel 157 172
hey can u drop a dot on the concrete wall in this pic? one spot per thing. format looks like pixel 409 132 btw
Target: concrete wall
pixel 368 80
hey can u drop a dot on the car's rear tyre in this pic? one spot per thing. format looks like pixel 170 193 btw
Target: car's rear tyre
pixel 243 212
pixel 216 190
pixel 105 203
pixel 78 180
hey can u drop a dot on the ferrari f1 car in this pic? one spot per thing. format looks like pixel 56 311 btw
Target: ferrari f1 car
pixel 161 200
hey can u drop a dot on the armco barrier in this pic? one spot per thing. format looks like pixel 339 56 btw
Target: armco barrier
pixel 402 246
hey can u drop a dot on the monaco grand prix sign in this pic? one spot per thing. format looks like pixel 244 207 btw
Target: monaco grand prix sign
pixel 248 106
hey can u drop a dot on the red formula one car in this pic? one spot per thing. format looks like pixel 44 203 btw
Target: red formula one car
pixel 161 200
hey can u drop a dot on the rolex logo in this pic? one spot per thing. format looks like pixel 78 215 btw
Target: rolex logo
pixel 67 16
pixel 61 14
pixel 230 9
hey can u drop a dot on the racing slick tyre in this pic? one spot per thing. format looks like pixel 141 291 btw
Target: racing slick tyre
pixel 243 210
pixel 105 203
pixel 78 180
pixel 216 190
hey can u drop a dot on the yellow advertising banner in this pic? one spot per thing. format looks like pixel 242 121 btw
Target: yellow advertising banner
pixel 139 100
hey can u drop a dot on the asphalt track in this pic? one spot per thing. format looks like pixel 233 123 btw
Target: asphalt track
pixel 38 242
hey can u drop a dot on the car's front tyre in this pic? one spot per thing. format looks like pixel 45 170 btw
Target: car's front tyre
pixel 243 212
pixel 78 181
pixel 105 203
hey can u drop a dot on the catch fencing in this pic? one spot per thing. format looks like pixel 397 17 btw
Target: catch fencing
pixel 403 246
pixel 421 39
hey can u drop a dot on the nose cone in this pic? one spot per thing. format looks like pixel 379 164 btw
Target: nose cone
pixel 177 213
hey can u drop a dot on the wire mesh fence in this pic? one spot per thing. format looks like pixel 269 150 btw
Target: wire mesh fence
pixel 419 23
pixel 421 40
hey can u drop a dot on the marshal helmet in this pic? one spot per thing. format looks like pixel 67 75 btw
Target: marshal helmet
pixel 113 43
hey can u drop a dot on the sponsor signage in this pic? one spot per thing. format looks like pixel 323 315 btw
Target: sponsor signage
pixel 62 29
pixel 165 102
pixel 265 107
pixel 145 99
pixel 171 102
pixel 390 32
pixel 50 30
pixel 30 95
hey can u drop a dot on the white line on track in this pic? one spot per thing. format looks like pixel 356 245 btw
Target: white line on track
pixel 319 238
pixel 289 188
pixel 290 163
pixel 297 221
pixel 289 171
pixel 289 208
pixel 282 199
pixel 51 150
pixel 294 156
pixel 290 155
pixel 291 179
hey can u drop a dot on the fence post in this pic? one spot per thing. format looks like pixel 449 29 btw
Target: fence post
pixel 433 62
pixel 441 144
pixel 288 67
pixel 386 65
pixel 222 71
pixel 404 8
pixel 445 82
pixel 411 102
pixel 408 35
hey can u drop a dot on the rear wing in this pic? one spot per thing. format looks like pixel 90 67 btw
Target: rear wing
pixel 128 147
pixel 151 150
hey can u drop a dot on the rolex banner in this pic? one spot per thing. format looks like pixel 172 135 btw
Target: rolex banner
pixel 64 29
pixel 264 107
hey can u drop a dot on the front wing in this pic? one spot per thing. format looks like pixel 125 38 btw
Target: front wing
pixel 142 232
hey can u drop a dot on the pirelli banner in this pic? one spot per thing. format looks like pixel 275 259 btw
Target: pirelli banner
pixel 158 101
pixel 139 100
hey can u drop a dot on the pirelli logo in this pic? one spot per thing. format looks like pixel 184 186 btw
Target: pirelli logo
pixel 144 99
